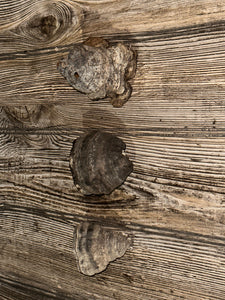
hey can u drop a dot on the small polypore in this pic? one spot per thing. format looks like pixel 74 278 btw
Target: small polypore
pixel 96 246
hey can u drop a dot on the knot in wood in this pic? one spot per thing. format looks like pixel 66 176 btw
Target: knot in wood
pixel 27 114
pixel 50 21
pixel 48 25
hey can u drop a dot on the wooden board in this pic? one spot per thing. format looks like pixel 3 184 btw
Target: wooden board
pixel 173 125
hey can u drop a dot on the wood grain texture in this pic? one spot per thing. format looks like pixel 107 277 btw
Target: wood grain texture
pixel 173 126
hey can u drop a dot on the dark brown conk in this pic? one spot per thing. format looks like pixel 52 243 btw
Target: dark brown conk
pixel 98 164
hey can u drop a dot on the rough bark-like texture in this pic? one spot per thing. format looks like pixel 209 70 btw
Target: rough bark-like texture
pixel 100 70
pixel 173 125
pixel 96 247
pixel 98 163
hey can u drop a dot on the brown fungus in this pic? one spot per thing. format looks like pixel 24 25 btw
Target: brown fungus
pixel 96 246
pixel 98 163
pixel 100 70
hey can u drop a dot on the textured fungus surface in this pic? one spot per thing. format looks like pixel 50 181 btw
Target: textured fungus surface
pixel 98 163
pixel 100 70
pixel 96 247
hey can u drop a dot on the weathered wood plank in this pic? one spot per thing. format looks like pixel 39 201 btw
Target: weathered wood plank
pixel 179 158
pixel 173 125
pixel 183 78
pixel 105 17
pixel 11 290
pixel 177 65
pixel 162 263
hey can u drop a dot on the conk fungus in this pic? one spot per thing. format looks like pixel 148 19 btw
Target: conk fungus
pixel 96 246
pixel 98 163
pixel 100 70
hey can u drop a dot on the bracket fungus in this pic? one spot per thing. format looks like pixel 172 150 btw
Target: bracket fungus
pixel 96 246
pixel 98 163
pixel 100 70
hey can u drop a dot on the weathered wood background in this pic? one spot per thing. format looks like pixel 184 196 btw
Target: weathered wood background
pixel 173 203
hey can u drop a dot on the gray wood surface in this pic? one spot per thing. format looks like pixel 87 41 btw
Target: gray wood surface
pixel 173 125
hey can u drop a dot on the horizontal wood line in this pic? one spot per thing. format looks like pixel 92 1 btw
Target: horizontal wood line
pixel 176 247
pixel 186 176
pixel 166 134
pixel 76 130
pixel 35 52
pixel 145 36
pixel 197 172
pixel 55 197
pixel 208 27
pixel 161 290
pixel 43 190
pixel 197 238
pixel 200 268
pixel 31 290
pixel 62 217
pixel 172 182
pixel 175 45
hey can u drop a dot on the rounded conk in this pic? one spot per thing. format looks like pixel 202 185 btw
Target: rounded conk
pixel 100 70
pixel 98 163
